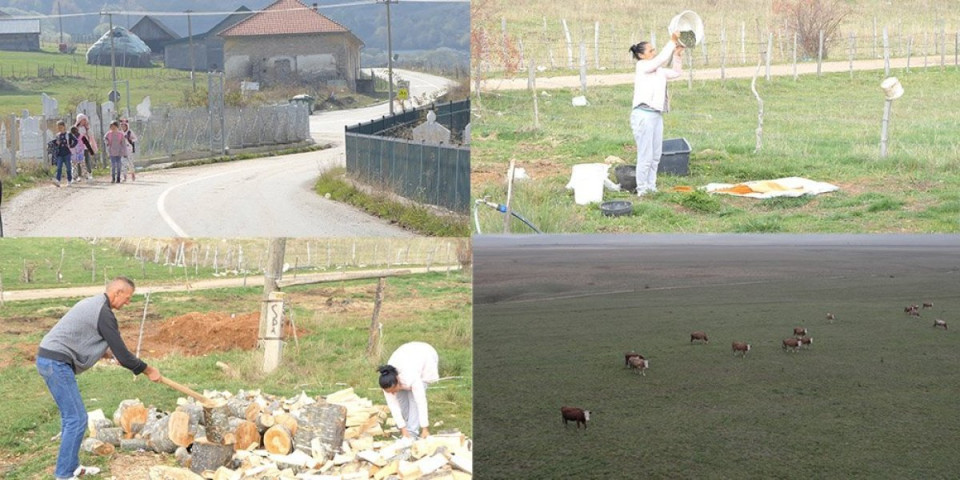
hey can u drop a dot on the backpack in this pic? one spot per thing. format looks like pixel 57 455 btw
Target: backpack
pixel 52 148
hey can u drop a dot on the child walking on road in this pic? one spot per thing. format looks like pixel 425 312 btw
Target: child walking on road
pixel 116 149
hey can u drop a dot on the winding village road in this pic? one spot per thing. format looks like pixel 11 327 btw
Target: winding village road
pixel 251 198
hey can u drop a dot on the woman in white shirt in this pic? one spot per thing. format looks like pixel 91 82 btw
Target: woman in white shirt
pixel 650 100
pixel 404 382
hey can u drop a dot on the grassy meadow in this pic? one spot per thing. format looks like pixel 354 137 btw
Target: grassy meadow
pixel 326 356
pixel 825 129
pixel 873 397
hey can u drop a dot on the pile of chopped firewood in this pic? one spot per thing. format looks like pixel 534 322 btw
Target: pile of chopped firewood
pixel 253 435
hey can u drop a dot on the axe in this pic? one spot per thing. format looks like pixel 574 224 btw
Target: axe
pixel 187 391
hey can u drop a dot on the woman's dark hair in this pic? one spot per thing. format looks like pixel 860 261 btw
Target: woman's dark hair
pixel 638 49
pixel 388 376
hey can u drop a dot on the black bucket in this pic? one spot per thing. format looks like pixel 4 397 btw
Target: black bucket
pixel 626 177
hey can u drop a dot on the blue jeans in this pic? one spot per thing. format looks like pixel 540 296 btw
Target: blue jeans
pixel 73 415
pixel 61 161
pixel 115 168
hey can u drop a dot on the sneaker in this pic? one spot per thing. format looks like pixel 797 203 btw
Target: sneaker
pixel 81 471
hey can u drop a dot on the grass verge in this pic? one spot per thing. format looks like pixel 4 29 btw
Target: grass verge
pixel 413 217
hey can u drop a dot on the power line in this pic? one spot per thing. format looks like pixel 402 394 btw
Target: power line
pixel 231 12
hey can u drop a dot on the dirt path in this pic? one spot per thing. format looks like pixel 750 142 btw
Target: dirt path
pixel 596 80
pixel 257 280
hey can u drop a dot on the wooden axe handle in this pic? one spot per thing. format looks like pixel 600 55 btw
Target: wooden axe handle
pixel 185 390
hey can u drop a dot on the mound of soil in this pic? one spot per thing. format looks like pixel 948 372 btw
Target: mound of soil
pixel 198 334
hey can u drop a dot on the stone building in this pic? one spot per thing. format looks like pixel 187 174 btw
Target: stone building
pixel 291 43
pixel 207 47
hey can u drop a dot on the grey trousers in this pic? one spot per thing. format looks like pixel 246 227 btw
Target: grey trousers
pixel 647 129
pixel 408 407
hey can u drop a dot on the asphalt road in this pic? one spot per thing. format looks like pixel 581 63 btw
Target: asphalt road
pixel 250 198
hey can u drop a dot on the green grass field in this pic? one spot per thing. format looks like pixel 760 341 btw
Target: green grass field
pixel 826 129
pixel 434 307
pixel 873 397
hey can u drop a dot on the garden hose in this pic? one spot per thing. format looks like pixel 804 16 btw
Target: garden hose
pixel 500 208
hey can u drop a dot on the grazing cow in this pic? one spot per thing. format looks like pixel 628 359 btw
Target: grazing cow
pixel 698 335
pixel 805 340
pixel 574 414
pixel 913 310
pixel 791 342
pixel 831 317
pixel 640 364
pixel 627 356
pixel 799 331
pixel 741 348
pixel 927 304
pixel 939 323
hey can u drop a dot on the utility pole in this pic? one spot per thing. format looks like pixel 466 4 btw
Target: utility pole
pixel 389 52
pixel 192 62
pixel 60 17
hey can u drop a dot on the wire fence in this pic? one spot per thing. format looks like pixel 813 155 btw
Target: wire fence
pixel 166 133
pixel 563 45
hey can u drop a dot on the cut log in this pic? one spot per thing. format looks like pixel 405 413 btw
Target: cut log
pixel 278 440
pixel 161 472
pixel 288 421
pixel 179 429
pixel 237 405
pixel 264 421
pixel 96 419
pixel 110 435
pixel 157 434
pixel 95 446
pixel 183 457
pixel 209 456
pixel 247 436
pixel 252 412
pixel 133 445
pixel 131 415
pixel 194 410
pixel 217 422
pixel 325 422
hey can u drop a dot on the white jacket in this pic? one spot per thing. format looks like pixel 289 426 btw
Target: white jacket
pixel 650 80
pixel 416 364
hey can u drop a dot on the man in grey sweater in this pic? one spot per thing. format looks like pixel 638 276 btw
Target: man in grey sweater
pixel 74 345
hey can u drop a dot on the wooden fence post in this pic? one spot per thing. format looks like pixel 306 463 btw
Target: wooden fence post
pixel 373 339
pixel 566 34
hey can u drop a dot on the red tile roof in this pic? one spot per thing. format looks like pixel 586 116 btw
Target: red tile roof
pixel 284 17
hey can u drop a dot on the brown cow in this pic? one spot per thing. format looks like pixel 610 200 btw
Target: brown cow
pixel 939 323
pixel 805 340
pixel 574 414
pixel 741 348
pixel 791 342
pixel 640 364
pixel 927 304
pixel 799 331
pixel 913 310
pixel 698 335
pixel 627 356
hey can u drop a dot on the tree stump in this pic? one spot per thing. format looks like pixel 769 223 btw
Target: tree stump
pixel 110 435
pixel 324 421
pixel 278 440
pixel 209 456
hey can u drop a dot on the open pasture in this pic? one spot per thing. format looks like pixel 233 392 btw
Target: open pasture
pixel 873 397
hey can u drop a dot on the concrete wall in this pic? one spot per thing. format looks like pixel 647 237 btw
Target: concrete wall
pixel 20 42
pixel 331 59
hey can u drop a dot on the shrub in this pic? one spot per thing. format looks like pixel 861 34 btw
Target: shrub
pixel 808 18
